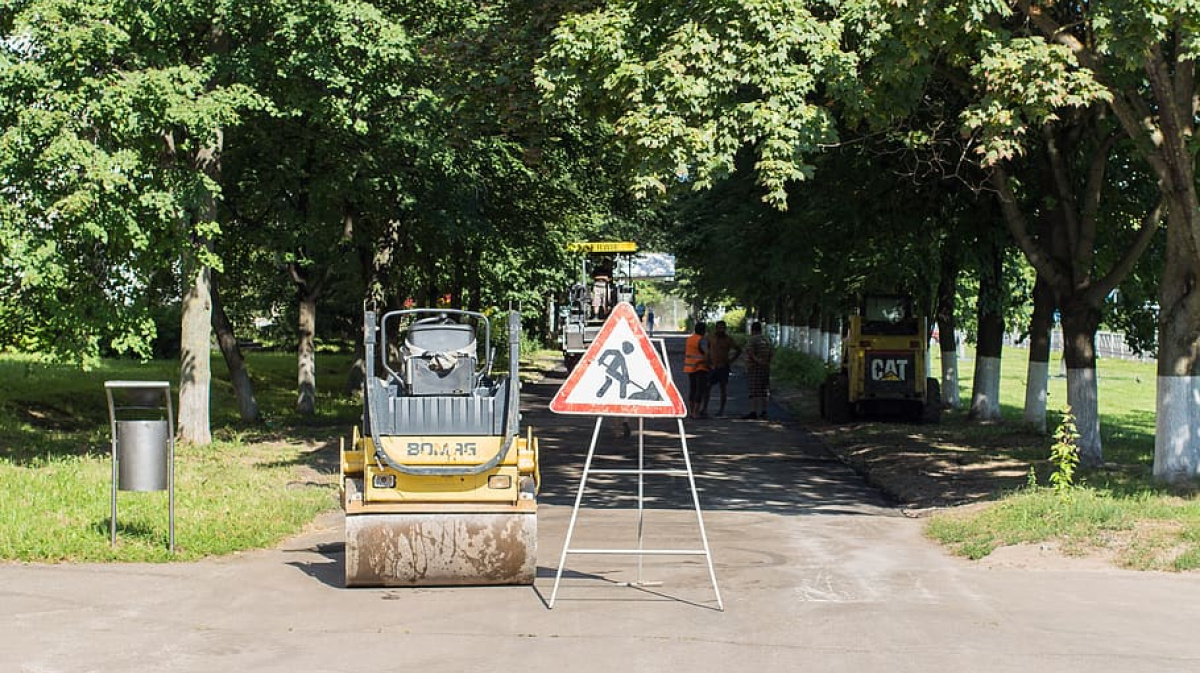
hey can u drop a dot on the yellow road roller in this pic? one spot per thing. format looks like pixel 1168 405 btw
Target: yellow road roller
pixel 439 485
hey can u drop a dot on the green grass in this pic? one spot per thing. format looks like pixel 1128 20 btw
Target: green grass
pixel 1126 397
pixel 1141 530
pixel 796 368
pixel 1035 516
pixel 228 497
pixel 256 484
pixel 1119 511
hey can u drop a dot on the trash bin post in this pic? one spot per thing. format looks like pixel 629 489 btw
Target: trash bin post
pixel 143 449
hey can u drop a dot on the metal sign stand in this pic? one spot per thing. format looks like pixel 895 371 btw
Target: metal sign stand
pixel 143 450
pixel 641 471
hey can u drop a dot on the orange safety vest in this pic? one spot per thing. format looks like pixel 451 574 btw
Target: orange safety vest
pixel 695 359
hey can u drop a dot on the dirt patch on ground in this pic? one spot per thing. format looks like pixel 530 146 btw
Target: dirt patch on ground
pixel 923 468
pixel 918 470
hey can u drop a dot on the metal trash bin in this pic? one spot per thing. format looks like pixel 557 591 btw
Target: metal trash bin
pixel 142 448
pixel 143 442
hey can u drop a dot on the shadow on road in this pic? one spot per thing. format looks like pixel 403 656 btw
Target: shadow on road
pixel 772 466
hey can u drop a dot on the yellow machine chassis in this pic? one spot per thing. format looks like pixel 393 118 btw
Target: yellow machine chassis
pixel 858 345
pixel 409 530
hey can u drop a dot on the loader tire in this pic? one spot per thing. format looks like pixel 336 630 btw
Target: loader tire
pixel 932 413
pixel 835 401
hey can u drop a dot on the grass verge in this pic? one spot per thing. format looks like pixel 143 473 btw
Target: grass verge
pixel 1118 512
pixel 256 484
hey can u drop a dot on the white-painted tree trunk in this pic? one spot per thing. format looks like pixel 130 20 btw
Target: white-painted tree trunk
pixel 823 346
pixel 306 358
pixel 985 394
pixel 1036 394
pixel 950 395
pixel 1178 429
pixel 1083 399
pixel 835 348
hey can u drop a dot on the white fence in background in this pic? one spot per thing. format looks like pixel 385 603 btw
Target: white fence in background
pixel 1108 345
pixel 810 340
pixel 829 346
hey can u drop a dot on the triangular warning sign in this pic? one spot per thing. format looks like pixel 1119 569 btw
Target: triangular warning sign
pixel 620 375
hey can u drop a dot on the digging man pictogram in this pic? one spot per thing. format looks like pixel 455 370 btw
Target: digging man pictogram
pixel 616 369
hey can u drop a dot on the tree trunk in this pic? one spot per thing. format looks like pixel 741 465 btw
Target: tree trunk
pixel 1037 377
pixel 812 339
pixel 835 341
pixel 1080 322
pixel 243 390
pixel 1177 427
pixel 306 358
pixel 458 282
pixel 825 344
pixel 476 299
pixel 985 392
pixel 948 326
pixel 195 367
pixel 195 349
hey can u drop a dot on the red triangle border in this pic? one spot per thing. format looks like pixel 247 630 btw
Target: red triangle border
pixel 622 312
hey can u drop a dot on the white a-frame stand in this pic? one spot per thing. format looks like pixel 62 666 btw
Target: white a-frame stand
pixel 641 472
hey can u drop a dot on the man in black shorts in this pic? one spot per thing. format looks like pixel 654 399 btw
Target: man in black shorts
pixel 722 351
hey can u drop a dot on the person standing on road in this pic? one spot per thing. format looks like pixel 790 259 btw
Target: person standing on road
pixel 695 365
pixel 650 320
pixel 758 371
pixel 722 351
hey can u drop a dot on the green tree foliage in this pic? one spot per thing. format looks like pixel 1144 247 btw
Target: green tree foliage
pixel 687 85
pixel 95 97
pixel 341 151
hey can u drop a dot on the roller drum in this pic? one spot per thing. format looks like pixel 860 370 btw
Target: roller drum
pixel 439 549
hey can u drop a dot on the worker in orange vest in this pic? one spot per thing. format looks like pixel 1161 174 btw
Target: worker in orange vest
pixel 696 365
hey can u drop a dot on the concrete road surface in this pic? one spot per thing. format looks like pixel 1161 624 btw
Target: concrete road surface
pixel 817 573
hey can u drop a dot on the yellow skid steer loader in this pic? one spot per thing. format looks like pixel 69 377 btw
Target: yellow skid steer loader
pixel 439 487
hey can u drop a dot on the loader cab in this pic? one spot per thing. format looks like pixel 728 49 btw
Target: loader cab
pixel 884 315
pixel 610 283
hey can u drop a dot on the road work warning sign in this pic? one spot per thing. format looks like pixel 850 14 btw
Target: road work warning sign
pixel 620 375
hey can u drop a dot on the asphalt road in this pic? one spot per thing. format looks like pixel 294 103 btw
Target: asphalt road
pixel 817 573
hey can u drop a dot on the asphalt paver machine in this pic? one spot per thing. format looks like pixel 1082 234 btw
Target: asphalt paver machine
pixel 605 279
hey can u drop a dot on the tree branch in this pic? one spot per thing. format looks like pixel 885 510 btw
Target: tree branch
pixel 1062 186
pixel 1015 220
pixel 1121 269
pixel 293 270
pixel 1085 251
pixel 1185 80
pixel 1135 116
pixel 1175 133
